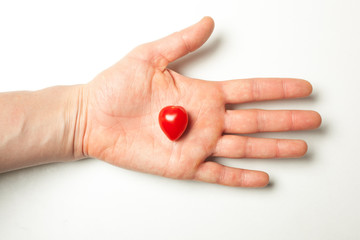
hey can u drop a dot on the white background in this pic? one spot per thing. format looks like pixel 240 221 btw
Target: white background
pixel 45 43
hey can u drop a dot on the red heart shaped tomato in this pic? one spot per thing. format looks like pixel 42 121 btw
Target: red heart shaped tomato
pixel 173 121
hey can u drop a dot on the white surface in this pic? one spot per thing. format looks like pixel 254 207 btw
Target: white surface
pixel 44 43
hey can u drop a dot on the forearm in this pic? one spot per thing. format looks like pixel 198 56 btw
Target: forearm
pixel 40 127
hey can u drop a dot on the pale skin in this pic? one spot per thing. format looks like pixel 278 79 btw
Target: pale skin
pixel 115 118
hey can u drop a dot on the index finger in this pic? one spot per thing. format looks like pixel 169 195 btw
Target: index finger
pixel 260 89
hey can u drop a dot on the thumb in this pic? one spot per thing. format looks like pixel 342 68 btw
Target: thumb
pixel 165 50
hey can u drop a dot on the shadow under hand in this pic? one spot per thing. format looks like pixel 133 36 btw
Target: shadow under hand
pixel 204 52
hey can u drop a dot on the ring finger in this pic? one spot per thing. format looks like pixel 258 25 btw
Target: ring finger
pixel 233 146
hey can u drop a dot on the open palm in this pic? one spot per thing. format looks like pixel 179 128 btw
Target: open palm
pixel 122 105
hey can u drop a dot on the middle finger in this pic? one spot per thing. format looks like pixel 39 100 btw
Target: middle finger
pixel 256 120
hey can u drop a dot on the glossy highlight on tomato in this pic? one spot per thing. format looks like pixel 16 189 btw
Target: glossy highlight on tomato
pixel 173 121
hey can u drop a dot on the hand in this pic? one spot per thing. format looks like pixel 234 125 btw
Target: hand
pixel 120 107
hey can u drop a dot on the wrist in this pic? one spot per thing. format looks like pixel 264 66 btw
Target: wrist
pixel 42 126
pixel 76 110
